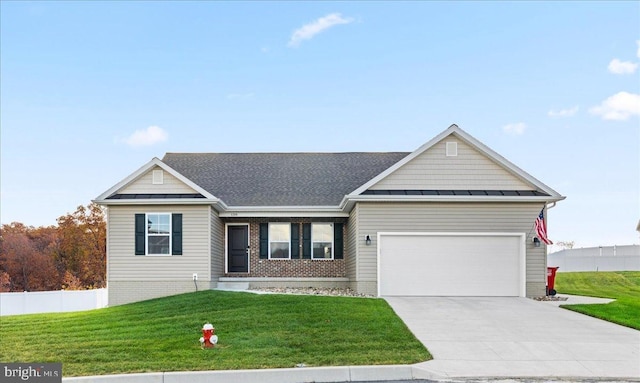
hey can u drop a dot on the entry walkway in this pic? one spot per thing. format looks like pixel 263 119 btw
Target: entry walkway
pixel 516 337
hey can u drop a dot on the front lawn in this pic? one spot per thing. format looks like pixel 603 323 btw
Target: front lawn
pixel 624 286
pixel 255 331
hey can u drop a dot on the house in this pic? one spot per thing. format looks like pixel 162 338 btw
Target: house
pixel 452 218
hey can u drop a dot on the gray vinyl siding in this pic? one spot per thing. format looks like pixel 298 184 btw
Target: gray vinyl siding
pixel 449 217
pixel 469 170
pixel 124 265
pixel 351 245
pixel 144 184
pixel 217 246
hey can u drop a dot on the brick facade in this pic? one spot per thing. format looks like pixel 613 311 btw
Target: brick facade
pixel 288 268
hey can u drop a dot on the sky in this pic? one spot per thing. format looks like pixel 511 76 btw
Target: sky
pixel 91 91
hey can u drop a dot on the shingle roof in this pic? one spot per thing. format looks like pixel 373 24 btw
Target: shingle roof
pixel 281 179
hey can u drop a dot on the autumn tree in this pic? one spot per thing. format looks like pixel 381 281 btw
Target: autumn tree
pixel 81 250
pixel 26 266
pixel 71 255
pixel 5 282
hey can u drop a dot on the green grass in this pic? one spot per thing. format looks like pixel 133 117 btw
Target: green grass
pixel 624 286
pixel 255 331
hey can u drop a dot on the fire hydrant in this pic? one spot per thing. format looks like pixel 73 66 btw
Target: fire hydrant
pixel 208 338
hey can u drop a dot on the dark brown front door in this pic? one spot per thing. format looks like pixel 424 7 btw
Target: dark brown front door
pixel 237 248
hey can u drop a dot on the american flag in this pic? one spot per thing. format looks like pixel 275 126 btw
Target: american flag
pixel 541 228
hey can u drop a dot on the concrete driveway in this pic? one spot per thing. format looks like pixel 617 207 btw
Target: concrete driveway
pixel 516 337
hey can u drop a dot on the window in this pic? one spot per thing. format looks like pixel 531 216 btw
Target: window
pixel 322 240
pixel 315 241
pixel 159 234
pixel 279 241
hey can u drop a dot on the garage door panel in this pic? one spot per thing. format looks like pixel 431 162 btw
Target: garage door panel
pixel 450 265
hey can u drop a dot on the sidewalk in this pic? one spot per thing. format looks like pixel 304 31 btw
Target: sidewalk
pixel 280 375
pixel 402 373
pixel 578 300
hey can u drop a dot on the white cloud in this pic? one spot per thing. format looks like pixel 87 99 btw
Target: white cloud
pixel 622 67
pixel 563 112
pixel 516 129
pixel 308 31
pixel 146 137
pixel 620 107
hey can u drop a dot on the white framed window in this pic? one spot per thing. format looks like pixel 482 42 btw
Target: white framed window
pixel 280 240
pixel 322 241
pixel 158 233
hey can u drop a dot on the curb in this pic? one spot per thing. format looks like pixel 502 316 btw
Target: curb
pixel 339 374
pixel 278 375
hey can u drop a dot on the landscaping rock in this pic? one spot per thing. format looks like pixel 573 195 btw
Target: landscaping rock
pixel 312 291
pixel 549 298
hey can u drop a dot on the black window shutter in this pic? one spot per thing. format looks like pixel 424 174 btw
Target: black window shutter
pixel 306 240
pixel 176 234
pixel 295 241
pixel 338 242
pixel 140 234
pixel 264 240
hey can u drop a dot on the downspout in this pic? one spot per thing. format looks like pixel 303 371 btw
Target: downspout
pixel 546 251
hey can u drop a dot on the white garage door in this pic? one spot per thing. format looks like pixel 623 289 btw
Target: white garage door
pixel 451 264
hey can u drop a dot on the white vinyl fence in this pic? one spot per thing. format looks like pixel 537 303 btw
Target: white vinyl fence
pixel 605 258
pixel 52 301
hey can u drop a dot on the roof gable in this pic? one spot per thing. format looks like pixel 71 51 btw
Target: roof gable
pixel 140 183
pixel 145 184
pixel 469 169
pixel 476 167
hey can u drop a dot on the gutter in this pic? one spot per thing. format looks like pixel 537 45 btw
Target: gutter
pixel 341 210
pixel 168 201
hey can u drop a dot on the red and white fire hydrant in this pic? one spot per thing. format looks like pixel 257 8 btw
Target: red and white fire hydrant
pixel 209 337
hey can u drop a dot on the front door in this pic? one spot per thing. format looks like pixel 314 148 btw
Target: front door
pixel 238 248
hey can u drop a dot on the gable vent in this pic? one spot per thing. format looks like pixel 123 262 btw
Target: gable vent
pixel 158 177
pixel 452 149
